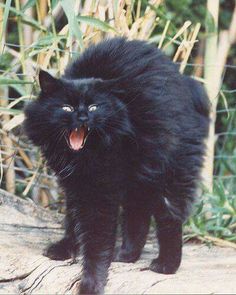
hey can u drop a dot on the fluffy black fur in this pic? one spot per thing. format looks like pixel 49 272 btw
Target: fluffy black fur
pixel 144 152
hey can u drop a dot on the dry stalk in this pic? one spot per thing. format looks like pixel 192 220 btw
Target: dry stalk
pixel 42 7
pixel 1 30
pixel 111 17
pixel 186 25
pixel 163 35
pixel 12 123
pixel 25 158
pixel 190 44
pixel 216 53
pixel 28 30
pixel 32 179
pixel 217 241
pixel 9 172
pixel 5 139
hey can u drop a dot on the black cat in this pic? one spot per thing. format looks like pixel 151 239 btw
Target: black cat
pixel 121 127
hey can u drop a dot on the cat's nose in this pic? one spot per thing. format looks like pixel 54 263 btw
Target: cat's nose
pixel 83 118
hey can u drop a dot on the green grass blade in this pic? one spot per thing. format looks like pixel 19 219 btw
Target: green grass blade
pixel 74 28
pixel 28 4
pixel 9 81
pixel 97 23
pixel 5 18
pixel 47 40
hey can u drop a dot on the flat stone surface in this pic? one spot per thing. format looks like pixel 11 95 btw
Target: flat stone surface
pixel 23 269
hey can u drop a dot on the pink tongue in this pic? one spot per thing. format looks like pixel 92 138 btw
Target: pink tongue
pixel 77 138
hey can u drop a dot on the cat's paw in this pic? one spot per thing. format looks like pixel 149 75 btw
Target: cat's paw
pixel 89 286
pixel 123 255
pixel 165 267
pixel 60 250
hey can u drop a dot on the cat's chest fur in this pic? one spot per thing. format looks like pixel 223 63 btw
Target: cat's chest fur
pixel 96 168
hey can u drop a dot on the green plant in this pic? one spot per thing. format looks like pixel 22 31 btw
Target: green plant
pixel 214 216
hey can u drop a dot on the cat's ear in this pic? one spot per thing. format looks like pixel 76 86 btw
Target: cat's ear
pixel 47 83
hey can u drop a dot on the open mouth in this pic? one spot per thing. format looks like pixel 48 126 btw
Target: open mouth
pixel 78 137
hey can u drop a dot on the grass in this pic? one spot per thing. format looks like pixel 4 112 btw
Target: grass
pixel 214 216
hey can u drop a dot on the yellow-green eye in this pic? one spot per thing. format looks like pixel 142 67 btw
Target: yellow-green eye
pixel 92 107
pixel 68 108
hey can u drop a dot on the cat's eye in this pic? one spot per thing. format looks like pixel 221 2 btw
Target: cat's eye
pixel 92 107
pixel 67 108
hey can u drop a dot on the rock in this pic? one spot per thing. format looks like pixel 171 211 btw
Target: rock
pixel 26 229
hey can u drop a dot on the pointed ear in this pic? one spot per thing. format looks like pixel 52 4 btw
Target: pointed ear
pixel 47 82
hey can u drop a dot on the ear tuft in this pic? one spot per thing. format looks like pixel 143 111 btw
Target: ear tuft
pixel 47 82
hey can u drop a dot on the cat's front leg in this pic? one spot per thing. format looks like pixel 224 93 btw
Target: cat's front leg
pixel 67 247
pixel 97 230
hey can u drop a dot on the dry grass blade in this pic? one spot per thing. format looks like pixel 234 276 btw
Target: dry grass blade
pixel 163 35
pixel 217 241
pixel 25 158
pixel 20 99
pixel 186 25
pixel 32 179
pixel 190 44
pixel 14 122
pixel 1 167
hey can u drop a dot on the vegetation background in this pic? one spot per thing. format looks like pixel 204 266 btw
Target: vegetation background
pixel 199 35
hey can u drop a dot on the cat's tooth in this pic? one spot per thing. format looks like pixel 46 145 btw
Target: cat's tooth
pixel 76 129
pixel 88 128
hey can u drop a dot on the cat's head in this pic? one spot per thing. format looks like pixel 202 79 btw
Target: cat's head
pixel 73 114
